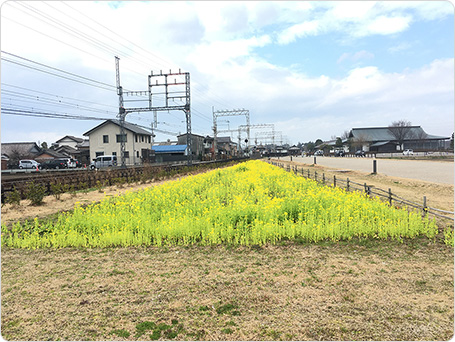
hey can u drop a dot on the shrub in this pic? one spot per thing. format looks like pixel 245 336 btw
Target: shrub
pixel 13 197
pixel 35 193
pixel 57 190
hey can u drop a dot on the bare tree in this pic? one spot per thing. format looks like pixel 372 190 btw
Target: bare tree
pixel 420 136
pixel 345 135
pixel 401 130
pixel 18 153
pixel 359 141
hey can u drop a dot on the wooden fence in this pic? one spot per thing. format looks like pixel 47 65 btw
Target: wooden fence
pixel 349 185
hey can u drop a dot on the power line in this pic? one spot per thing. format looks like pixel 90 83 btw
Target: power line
pixel 57 96
pixel 18 112
pixel 56 69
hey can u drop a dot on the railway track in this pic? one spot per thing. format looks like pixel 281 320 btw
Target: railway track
pixel 79 179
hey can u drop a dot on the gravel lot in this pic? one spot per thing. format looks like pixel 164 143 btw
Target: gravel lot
pixel 430 171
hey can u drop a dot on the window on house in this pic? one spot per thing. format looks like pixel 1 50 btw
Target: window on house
pixel 119 138
pixel 135 137
pixel 105 139
pixel 114 153
pixel 142 138
pixel 97 154
pixel 127 154
pixel 137 154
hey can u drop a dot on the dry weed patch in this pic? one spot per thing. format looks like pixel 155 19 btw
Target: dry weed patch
pixel 358 290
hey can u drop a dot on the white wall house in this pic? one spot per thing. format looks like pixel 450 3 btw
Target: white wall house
pixel 105 140
pixel 69 140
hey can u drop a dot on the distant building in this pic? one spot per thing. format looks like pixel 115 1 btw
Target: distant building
pixel 226 147
pixel 105 139
pixel 48 154
pixel 383 139
pixel 13 152
pixel 197 144
pixel 69 140
pixel 170 153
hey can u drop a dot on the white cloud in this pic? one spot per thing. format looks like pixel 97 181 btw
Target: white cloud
pixel 294 32
pixel 386 25
pixel 354 57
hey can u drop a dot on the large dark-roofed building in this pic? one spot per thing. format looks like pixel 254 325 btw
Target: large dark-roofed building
pixel 385 139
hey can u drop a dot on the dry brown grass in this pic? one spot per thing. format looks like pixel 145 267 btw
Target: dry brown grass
pixel 358 290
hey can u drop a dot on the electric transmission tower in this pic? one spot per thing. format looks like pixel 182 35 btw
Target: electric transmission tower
pixel 162 82
pixel 235 112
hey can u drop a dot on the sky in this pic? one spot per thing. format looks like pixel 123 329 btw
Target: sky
pixel 309 69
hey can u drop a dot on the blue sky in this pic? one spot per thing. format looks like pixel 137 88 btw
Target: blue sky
pixel 313 69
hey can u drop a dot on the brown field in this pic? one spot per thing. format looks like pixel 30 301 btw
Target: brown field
pixel 358 290
pixel 355 290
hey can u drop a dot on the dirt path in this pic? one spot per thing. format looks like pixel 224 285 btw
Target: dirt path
pixel 434 171
pixel 438 195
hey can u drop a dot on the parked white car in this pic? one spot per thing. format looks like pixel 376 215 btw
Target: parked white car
pixel 28 164
pixel 408 152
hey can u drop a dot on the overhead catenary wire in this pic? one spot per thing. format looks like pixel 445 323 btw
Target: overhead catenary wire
pixel 137 53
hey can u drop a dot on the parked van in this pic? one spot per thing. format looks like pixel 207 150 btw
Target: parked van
pixel 103 161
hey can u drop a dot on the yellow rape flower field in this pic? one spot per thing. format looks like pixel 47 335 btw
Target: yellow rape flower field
pixel 244 253
pixel 252 203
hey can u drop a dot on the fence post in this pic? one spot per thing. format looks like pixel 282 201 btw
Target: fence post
pixel 425 208
pixel 314 161
pixel 315 176
pixel 374 166
pixel 390 197
pixel 323 178
pixel 308 173
pixel 334 181
pixel 365 186
pixel 347 184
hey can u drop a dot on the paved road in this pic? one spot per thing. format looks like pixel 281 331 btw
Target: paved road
pixel 430 171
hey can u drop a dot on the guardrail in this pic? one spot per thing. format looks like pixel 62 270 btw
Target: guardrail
pixel 350 185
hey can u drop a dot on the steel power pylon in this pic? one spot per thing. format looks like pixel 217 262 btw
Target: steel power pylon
pixel 234 112
pixel 255 126
pixel 161 80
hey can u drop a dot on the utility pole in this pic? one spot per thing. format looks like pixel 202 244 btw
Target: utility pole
pixel 121 113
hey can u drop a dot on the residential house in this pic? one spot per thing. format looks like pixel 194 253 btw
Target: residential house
pixel 197 144
pixel 84 151
pixel 13 152
pixel 386 139
pixel 105 139
pixel 5 161
pixel 73 147
pixel 47 154
pixel 294 150
pixel 69 140
pixel 226 147
pixel 209 148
